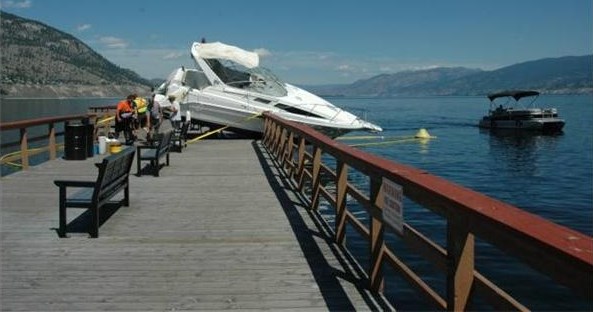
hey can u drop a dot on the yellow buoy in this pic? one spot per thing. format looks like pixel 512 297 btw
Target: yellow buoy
pixel 423 134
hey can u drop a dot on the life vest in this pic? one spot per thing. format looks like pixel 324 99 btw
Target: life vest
pixel 123 109
pixel 141 105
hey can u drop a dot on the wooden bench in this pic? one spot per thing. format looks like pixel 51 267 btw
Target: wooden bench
pixel 113 177
pixel 154 152
pixel 179 139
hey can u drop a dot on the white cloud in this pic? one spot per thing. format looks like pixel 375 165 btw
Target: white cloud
pixel 83 27
pixel 174 55
pixel 344 67
pixel 113 42
pixel 16 4
pixel 148 63
pixel 426 66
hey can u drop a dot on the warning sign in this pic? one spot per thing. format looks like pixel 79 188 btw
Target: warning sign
pixel 393 206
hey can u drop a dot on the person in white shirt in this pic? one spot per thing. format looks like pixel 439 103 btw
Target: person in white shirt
pixel 176 112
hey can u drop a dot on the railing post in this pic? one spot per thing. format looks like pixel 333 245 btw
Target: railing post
pixel 290 152
pixel 301 164
pixel 277 130
pixel 460 263
pixel 51 141
pixel 266 130
pixel 377 240
pixel 341 196
pixel 316 178
pixel 281 147
pixel 24 149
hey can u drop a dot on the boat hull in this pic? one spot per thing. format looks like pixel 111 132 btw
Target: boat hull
pixel 544 125
pixel 248 121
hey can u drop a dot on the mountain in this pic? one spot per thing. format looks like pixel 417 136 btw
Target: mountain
pixel 570 74
pixel 39 60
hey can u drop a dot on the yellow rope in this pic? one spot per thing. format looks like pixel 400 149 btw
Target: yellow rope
pixel 31 150
pixel 107 119
pixel 209 133
pixel 421 136
pixel 402 140
pixel 360 137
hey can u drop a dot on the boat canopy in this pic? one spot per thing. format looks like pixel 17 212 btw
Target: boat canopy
pixel 516 94
pixel 217 50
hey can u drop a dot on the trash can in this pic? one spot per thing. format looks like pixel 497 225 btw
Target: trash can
pixel 90 139
pixel 75 141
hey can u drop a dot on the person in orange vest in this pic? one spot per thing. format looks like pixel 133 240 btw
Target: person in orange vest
pixel 124 119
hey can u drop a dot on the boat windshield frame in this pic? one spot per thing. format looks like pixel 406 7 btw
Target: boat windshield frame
pixel 257 79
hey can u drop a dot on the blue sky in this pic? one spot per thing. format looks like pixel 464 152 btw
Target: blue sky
pixel 324 41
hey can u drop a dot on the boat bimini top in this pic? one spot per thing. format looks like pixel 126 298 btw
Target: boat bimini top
pixel 218 50
pixel 515 94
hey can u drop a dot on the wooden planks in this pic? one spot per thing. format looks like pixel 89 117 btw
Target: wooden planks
pixel 219 229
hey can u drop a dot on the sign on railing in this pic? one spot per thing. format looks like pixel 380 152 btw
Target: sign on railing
pixel 393 205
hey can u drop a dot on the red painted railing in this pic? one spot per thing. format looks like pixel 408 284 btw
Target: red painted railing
pixel 558 252
pixel 50 136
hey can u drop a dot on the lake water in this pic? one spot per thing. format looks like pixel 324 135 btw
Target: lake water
pixel 548 175
pixel 551 176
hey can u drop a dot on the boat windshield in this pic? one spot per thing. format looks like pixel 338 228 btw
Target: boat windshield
pixel 257 79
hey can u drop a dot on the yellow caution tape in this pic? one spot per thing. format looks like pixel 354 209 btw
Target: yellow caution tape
pixel 207 134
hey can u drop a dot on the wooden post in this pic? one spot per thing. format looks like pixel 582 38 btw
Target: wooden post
pixel 341 196
pixel 24 149
pixel 460 263
pixel 52 141
pixel 290 152
pixel 277 132
pixel 377 240
pixel 281 147
pixel 301 164
pixel 266 135
pixel 316 178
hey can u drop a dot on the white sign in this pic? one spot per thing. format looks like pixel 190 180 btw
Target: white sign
pixel 393 205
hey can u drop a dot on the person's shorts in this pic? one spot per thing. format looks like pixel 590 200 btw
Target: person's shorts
pixel 143 120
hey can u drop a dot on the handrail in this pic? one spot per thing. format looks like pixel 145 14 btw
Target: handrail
pixel 23 125
pixel 563 254
pixel 11 125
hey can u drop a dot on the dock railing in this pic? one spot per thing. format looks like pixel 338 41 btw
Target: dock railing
pixel 562 254
pixel 102 117
pixel 50 136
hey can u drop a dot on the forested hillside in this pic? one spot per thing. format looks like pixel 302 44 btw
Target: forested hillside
pixel 39 60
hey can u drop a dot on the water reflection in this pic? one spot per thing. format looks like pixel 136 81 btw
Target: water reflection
pixel 519 151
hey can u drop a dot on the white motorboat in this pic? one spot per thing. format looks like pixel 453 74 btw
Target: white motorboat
pixel 229 88
pixel 513 115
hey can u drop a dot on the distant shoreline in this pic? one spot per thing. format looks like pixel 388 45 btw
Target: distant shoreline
pixel 23 91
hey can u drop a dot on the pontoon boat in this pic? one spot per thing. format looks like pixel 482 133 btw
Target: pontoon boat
pixel 513 115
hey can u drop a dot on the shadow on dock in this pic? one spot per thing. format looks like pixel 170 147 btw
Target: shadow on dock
pixel 82 223
pixel 306 231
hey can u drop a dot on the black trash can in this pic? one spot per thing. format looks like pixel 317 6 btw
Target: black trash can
pixel 90 139
pixel 75 141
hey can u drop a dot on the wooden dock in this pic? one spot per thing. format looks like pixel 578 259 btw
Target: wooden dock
pixel 219 229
